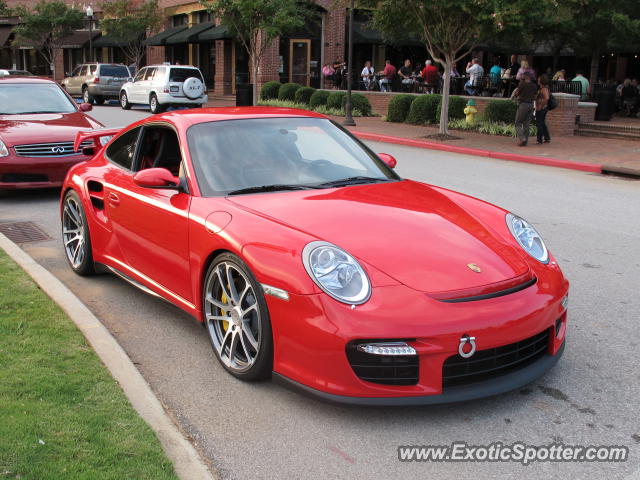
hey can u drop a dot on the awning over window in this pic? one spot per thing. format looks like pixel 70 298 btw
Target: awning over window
pixel 190 35
pixel 108 41
pixel 162 37
pixel 79 39
pixel 362 33
pixel 216 33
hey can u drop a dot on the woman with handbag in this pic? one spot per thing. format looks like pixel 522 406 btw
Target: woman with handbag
pixel 542 107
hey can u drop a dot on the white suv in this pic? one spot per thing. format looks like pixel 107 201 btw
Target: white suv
pixel 161 86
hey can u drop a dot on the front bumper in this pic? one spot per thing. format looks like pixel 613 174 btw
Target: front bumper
pixel 311 333
pixel 35 172
pixel 168 99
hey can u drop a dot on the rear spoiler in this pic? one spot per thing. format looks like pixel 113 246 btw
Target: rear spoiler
pixel 94 135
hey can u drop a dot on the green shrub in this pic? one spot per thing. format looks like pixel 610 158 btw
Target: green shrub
pixel 424 109
pixel 319 98
pixel 456 108
pixel 399 107
pixel 303 95
pixel 270 90
pixel 288 91
pixel 335 99
pixel 358 102
pixel 500 111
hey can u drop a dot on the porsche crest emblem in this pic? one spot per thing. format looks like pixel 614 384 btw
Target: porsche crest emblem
pixel 474 268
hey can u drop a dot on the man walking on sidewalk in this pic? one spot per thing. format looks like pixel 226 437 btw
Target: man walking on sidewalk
pixel 525 94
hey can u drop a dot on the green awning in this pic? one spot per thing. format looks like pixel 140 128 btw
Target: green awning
pixel 78 39
pixel 362 33
pixel 190 35
pixel 108 41
pixel 162 37
pixel 216 33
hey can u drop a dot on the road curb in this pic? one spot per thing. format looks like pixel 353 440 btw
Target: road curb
pixel 187 462
pixel 514 157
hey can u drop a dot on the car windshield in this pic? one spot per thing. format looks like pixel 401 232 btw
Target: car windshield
pixel 181 74
pixel 245 156
pixel 22 98
pixel 114 71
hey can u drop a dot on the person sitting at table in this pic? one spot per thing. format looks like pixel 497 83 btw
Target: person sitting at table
pixel 406 74
pixel 454 72
pixel 559 76
pixel 476 73
pixel 514 66
pixel 430 76
pixel 525 69
pixel 367 75
pixel 495 73
pixel 338 66
pixel 388 75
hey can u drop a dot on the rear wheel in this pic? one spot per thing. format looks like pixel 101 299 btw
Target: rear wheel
pixel 86 96
pixel 237 319
pixel 124 101
pixel 75 235
pixel 154 105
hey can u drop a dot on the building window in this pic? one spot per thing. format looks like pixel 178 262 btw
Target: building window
pixel 204 16
pixel 178 20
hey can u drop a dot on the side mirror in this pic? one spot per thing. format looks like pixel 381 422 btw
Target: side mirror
pixel 388 159
pixel 130 79
pixel 89 151
pixel 156 178
pixel 86 107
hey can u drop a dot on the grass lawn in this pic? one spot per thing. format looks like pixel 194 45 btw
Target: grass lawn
pixel 62 416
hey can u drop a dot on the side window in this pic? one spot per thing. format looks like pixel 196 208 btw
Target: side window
pixel 123 149
pixel 140 75
pixel 76 72
pixel 150 72
pixel 160 148
pixel 92 69
pixel 160 73
pixel 83 70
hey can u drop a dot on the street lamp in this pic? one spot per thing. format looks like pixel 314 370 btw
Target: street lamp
pixel 90 17
pixel 348 120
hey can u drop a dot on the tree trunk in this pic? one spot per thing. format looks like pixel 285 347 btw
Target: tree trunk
pixel 254 78
pixel 595 63
pixel 444 110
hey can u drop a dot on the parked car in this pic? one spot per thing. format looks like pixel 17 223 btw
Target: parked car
pixel 22 73
pixel 97 81
pixel 38 125
pixel 308 258
pixel 161 86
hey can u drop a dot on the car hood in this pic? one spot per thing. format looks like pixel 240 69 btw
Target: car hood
pixel 408 230
pixel 44 127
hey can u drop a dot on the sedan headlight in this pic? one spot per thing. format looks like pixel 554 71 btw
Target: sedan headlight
pixel 336 272
pixel 528 238
pixel 4 151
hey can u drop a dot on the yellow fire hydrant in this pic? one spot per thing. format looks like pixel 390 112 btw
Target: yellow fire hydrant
pixel 471 111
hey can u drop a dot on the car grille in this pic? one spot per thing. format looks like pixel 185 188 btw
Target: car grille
pixel 386 370
pixel 58 149
pixel 493 362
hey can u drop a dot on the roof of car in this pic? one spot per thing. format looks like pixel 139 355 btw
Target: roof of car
pixel 165 65
pixel 25 79
pixel 186 118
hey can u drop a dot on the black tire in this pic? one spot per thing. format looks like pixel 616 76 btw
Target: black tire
pixel 248 358
pixel 154 105
pixel 124 101
pixel 76 240
pixel 99 100
pixel 86 96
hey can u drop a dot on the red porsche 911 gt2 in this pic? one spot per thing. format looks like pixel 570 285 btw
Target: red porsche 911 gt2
pixel 308 259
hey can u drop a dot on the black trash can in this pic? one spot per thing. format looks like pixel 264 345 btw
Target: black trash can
pixel 244 95
pixel 605 97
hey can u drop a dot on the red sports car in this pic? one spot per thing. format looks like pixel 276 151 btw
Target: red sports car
pixel 38 124
pixel 307 258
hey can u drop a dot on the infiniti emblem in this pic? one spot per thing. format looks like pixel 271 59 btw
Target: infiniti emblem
pixel 463 341
pixel 58 150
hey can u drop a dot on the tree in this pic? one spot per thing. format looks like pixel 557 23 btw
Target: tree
pixel 256 23
pixel 128 22
pixel 5 11
pixel 450 29
pixel 46 26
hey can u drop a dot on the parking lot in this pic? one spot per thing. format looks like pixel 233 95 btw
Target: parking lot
pixel 261 430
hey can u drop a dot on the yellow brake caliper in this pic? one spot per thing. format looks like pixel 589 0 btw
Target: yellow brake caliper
pixel 224 300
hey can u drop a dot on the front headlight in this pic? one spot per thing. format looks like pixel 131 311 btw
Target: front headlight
pixel 4 151
pixel 336 272
pixel 528 238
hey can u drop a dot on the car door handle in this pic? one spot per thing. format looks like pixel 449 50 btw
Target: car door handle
pixel 114 200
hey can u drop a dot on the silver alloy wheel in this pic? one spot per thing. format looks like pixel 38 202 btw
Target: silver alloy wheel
pixel 153 103
pixel 75 245
pixel 85 95
pixel 232 315
pixel 123 100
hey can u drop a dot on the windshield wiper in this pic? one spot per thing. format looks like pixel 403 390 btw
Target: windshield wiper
pixel 270 188
pixel 353 181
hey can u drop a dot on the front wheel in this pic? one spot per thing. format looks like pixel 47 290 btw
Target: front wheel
pixel 237 319
pixel 124 101
pixel 154 105
pixel 75 235
pixel 86 96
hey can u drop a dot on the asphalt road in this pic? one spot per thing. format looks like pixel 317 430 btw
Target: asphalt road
pixel 264 431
